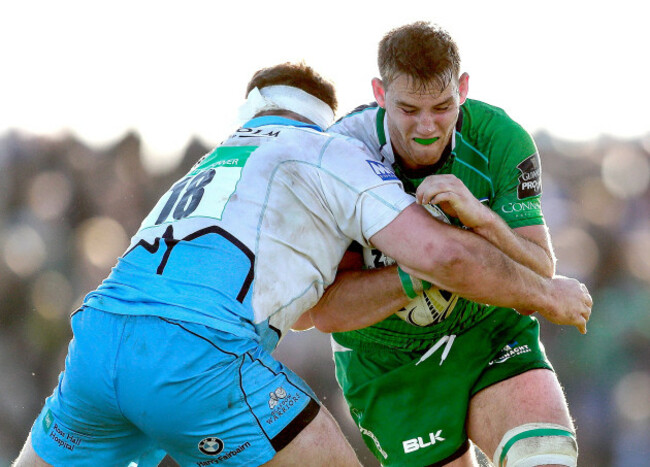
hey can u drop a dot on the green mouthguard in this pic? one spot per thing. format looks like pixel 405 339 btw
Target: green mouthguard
pixel 427 141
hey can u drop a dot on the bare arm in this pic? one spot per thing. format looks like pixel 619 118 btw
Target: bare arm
pixel 530 246
pixel 459 261
pixel 464 263
pixel 357 298
pixel 456 260
pixel 453 259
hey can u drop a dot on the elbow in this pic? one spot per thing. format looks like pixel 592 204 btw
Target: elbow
pixel 545 267
pixel 326 326
pixel 552 264
pixel 323 321
pixel 549 272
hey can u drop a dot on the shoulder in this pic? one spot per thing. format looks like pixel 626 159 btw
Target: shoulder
pixel 361 112
pixel 365 123
pixel 488 128
pixel 344 146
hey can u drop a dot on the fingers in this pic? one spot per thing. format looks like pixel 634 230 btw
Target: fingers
pixel 588 298
pixel 436 184
pixel 577 303
pixel 444 197
pixel 586 313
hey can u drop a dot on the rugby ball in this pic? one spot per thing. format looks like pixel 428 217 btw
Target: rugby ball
pixel 429 307
pixel 437 213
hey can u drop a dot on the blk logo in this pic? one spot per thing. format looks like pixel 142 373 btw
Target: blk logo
pixel 412 445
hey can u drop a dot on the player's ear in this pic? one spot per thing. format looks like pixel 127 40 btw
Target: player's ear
pixel 379 92
pixel 463 87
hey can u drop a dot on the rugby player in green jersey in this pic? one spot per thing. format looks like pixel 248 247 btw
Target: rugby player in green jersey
pixel 475 372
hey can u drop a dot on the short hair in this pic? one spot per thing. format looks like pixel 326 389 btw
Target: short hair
pixel 298 75
pixel 425 53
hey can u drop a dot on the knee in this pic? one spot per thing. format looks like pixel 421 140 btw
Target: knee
pixel 537 444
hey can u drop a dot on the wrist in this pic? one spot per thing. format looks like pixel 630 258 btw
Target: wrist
pixel 488 219
pixel 547 297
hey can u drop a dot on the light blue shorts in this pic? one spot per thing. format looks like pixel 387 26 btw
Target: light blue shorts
pixel 137 387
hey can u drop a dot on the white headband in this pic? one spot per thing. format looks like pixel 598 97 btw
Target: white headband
pixel 287 98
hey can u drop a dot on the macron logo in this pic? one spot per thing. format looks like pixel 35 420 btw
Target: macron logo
pixel 381 170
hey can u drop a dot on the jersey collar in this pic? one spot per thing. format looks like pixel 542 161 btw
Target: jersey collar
pixel 275 120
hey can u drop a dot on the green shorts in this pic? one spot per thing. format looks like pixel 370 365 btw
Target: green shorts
pixel 411 407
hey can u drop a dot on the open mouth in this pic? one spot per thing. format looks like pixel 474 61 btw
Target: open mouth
pixel 426 141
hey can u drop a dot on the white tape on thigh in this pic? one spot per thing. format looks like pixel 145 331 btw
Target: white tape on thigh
pixel 535 444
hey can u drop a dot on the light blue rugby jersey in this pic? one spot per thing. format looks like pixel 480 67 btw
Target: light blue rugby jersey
pixel 251 236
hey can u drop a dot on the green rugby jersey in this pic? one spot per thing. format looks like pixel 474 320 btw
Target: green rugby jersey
pixel 499 163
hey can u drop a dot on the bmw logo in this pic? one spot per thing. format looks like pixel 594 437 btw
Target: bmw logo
pixel 211 446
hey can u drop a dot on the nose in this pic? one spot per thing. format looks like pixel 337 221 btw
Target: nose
pixel 426 123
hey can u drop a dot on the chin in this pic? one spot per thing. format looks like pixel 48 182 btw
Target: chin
pixel 428 156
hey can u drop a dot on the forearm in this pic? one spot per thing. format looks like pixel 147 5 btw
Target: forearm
pixel 529 245
pixel 532 249
pixel 359 298
pixel 477 270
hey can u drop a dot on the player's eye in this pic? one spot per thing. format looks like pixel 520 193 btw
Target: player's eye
pixel 408 111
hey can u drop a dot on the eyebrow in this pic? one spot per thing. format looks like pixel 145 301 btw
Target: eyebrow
pixel 446 101
pixel 406 104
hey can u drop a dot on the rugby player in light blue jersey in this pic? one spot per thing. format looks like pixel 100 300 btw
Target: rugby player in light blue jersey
pixel 172 352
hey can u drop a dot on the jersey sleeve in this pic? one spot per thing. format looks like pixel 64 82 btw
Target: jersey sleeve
pixel 517 173
pixel 364 195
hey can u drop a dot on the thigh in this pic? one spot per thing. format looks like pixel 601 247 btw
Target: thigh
pixel 81 423
pixel 411 408
pixel 517 385
pixel 409 411
pixel 320 444
pixel 531 397
pixel 514 348
pixel 211 397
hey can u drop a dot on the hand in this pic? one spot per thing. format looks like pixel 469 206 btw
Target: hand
pixel 572 303
pixel 455 199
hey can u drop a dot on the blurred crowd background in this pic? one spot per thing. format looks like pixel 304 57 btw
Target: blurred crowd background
pixel 67 211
